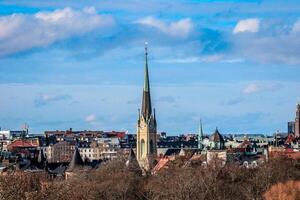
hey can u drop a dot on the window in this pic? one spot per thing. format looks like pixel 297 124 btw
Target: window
pixel 143 148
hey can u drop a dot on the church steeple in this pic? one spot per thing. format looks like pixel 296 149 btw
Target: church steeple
pixel 146 102
pixel 146 146
pixel 200 135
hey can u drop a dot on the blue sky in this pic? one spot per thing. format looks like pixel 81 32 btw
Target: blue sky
pixel 79 64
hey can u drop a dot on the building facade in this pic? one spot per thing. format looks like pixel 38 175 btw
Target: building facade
pixel 291 127
pixel 99 150
pixel 297 121
pixel 60 152
pixel 146 127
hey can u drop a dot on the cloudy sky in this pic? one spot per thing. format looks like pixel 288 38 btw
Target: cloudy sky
pixel 79 64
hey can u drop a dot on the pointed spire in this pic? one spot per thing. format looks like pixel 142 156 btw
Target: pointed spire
pixel 146 75
pixel 76 160
pixel 132 163
pixel 146 102
pixel 139 113
pixel 154 116
pixel 200 135
pixel 181 153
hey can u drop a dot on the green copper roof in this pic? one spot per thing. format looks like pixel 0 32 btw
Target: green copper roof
pixel 200 129
pixel 200 135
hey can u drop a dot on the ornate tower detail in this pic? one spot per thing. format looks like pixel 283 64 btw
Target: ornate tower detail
pixel 146 126
pixel 297 121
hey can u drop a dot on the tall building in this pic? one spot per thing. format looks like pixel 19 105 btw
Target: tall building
pixel 146 126
pixel 291 127
pixel 297 121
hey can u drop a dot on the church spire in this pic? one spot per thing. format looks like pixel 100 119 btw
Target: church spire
pixel 200 135
pixel 146 102
pixel 146 73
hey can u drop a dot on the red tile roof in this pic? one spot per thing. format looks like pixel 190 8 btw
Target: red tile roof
pixel 245 144
pixel 23 144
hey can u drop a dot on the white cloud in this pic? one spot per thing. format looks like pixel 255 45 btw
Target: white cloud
pixel 277 43
pixel 181 28
pixel 44 99
pixel 261 87
pixel 247 25
pixel 296 27
pixel 233 60
pixel 90 118
pixel 90 10
pixel 19 32
pixel 251 88
pixel 202 59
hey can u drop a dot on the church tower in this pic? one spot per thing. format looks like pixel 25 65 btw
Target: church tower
pixel 146 126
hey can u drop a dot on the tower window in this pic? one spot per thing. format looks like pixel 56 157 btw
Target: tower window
pixel 142 147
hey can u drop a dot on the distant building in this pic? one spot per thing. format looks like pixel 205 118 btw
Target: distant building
pixel 70 135
pixel 61 152
pixel 129 141
pixel 24 147
pixel 291 127
pixel 13 134
pixel 297 121
pixel 214 155
pixel 216 140
pixel 99 150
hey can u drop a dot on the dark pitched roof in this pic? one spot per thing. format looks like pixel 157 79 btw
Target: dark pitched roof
pixel 171 152
pixel 58 171
pixel 216 136
pixel 76 161
pixel 30 166
pixel 132 163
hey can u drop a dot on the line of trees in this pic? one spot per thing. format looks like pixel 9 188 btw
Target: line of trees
pixel 277 179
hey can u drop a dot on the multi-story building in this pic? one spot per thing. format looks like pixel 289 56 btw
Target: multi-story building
pixel 13 134
pixel 291 127
pixel 60 152
pixel 70 135
pixel 24 147
pixel 129 141
pixel 98 150
pixel 297 121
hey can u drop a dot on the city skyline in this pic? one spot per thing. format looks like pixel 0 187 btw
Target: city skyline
pixel 235 65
